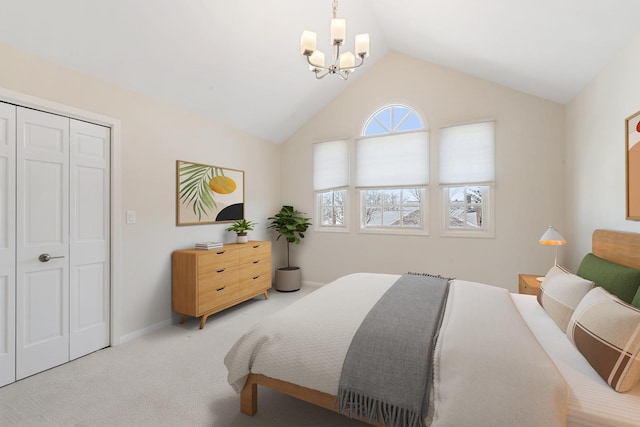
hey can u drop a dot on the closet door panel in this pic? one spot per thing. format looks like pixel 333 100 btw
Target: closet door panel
pixel 7 243
pixel 90 231
pixel 42 218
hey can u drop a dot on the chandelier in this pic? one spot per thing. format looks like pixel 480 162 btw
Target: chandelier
pixel 341 64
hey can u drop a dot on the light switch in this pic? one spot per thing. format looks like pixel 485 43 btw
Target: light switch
pixel 131 217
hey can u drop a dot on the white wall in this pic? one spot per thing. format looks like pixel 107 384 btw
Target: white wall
pixel 595 152
pixel 529 184
pixel 153 136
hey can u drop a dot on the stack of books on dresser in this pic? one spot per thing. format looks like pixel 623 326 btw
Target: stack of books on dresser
pixel 209 245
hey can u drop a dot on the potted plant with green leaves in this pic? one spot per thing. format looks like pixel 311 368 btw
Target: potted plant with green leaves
pixel 240 227
pixel 290 224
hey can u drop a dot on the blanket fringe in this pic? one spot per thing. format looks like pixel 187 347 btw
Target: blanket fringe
pixel 356 405
pixel 437 276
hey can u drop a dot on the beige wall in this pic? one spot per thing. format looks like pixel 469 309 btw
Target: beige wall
pixel 595 151
pixel 153 136
pixel 529 177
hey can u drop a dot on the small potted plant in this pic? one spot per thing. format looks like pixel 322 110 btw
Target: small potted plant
pixel 290 224
pixel 240 227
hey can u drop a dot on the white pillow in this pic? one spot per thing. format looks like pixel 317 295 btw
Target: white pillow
pixel 560 293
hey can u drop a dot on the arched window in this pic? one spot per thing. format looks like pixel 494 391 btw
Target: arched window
pixel 392 172
pixel 392 119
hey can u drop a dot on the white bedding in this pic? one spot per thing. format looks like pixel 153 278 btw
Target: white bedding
pixel 312 353
pixel 591 401
pixel 480 378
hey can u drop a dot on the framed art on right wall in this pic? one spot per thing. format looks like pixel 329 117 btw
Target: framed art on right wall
pixel 633 166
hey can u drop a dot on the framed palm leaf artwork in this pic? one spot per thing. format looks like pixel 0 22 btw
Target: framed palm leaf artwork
pixel 208 194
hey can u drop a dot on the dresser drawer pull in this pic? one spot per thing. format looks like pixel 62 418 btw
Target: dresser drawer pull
pixel 220 253
pixel 220 271
pixel 256 261
pixel 218 290
pixel 256 246
pixel 257 277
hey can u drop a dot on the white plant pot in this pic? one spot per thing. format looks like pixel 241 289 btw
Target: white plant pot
pixel 242 238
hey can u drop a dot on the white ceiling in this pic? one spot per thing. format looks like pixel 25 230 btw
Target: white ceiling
pixel 238 61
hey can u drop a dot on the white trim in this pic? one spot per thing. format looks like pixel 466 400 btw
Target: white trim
pixel 30 101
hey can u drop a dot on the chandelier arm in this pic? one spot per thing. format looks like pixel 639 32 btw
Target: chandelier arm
pixel 321 76
pixel 355 66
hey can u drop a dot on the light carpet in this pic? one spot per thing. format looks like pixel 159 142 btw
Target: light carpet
pixel 172 377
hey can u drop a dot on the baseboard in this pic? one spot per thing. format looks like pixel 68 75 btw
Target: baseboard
pixel 149 329
pixel 141 332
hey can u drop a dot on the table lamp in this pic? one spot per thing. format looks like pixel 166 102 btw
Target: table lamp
pixel 552 237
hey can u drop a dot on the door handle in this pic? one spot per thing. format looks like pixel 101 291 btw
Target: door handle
pixel 47 257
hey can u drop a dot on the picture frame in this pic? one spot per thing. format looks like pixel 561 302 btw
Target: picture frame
pixel 632 156
pixel 208 194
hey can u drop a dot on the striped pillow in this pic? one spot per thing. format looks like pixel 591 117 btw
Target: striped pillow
pixel 560 293
pixel 606 330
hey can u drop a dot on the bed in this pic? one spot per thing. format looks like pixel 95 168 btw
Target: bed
pixel 514 365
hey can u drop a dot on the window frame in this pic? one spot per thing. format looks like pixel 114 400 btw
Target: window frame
pixel 422 230
pixel 392 129
pixel 333 186
pixel 488 230
pixel 332 228
pixel 477 178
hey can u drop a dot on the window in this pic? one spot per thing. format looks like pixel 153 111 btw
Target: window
pixel 467 175
pixel 392 119
pixel 393 208
pixel 465 207
pixel 330 183
pixel 392 172
pixel 332 208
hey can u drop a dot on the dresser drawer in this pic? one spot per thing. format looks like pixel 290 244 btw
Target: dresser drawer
pixel 261 268
pixel 218 259
pixel 256 284
pixel 219 277
pixel 217 295
pixel 253 251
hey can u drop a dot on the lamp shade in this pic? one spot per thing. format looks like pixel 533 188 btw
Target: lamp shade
pixel 552 237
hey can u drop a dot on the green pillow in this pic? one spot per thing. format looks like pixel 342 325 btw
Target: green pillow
pixel 619 280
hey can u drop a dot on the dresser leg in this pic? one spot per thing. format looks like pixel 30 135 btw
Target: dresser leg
pixel 203 320
pixel 266 295
pixel 182 318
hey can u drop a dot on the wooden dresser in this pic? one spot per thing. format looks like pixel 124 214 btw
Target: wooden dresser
pixel 206 282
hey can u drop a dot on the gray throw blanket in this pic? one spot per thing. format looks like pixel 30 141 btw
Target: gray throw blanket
pixel 387 372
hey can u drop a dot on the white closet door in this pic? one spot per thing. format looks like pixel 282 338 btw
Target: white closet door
pixel 89 246
pixel 7 243
pixel 42 282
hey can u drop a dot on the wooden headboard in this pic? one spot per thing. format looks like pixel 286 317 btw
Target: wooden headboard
pixel 617 246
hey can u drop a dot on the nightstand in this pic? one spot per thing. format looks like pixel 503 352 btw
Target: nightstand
pixel 527 284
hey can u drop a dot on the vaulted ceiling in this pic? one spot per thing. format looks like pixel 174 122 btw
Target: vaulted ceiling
pixel 238 61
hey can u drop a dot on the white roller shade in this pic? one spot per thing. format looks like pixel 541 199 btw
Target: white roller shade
pixel 393 160
pixel 467 153
pixel 330 165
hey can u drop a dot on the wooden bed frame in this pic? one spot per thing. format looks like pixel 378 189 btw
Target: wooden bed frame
pixel 615 246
